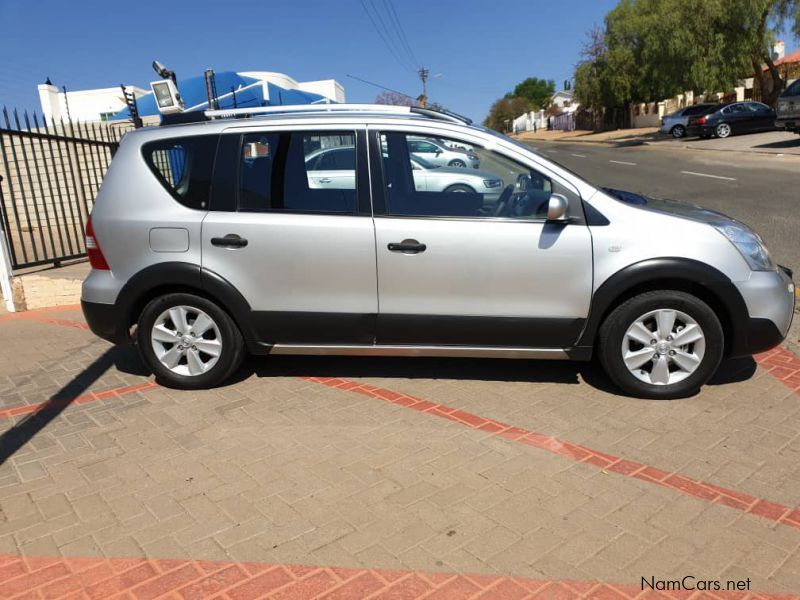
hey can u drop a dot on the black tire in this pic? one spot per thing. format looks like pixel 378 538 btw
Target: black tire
pixel 457 163
pixel 679 131
pixel 613 330
pixel 229 359
pixel 459 187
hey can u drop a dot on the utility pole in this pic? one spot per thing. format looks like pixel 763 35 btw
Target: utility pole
pixel 423 75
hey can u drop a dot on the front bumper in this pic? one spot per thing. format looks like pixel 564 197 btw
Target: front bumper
pixel 770 300
pixel 788 124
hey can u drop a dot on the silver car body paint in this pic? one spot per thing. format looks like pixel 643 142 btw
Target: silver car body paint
pixel 472 267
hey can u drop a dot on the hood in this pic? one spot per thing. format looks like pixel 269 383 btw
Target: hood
pixel 676 208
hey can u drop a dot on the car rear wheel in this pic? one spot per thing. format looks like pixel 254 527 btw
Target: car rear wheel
pixel 188 341
pixel 662 344
pixel 723 130
pixel 678 131
pixel 461 188
pixel 457 163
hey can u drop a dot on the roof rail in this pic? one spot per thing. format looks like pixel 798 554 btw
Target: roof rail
pixel 317 108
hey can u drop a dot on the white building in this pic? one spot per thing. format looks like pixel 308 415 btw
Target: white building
pixel 84 105
pixel 564 100
pixel 103 103
pixel 537 119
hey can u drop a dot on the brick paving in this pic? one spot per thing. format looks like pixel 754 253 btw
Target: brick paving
pixel 384 476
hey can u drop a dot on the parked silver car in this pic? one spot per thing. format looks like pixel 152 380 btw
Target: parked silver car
pixel 207 241
pixel 335 168
pixel 676 124
pixel 437 153
pixel 788 109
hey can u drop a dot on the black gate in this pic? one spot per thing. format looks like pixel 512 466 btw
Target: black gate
pixel 49 177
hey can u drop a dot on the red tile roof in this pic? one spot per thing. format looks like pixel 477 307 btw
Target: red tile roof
pixel 793 57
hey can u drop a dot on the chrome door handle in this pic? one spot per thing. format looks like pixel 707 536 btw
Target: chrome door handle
pixel 324 179
pixel 408 246
pixel 229 241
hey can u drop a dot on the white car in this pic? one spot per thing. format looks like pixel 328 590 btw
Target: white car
pixel 436 153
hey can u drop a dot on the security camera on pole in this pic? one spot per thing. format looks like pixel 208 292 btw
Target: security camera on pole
pixel 168 99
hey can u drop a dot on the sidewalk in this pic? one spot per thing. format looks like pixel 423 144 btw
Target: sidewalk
pixel 778 143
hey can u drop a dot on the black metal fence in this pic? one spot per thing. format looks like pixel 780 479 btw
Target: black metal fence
pixel 50 173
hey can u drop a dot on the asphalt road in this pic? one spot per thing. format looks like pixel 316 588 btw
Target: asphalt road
pixel 761 191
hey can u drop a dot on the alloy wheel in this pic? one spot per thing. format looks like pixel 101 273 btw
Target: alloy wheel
pixel 663 347
pixel 186 340
pixel 678 131
pixel 723 130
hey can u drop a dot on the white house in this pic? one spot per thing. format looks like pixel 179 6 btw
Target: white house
pixel 565 100
pixel 103 103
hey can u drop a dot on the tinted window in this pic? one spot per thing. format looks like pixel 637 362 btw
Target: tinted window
pixel 698 109
pixel 184 166
pixel 497 187
pixel 757 107
pixel 298 172
pixel 793 90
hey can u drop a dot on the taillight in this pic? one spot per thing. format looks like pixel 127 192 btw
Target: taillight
pixel 96 258
pixel 702 119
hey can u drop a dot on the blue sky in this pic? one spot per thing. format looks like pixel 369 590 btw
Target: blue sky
pixel 476 50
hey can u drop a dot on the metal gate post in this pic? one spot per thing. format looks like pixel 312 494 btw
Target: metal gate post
pixel 5 273
pixel 5 262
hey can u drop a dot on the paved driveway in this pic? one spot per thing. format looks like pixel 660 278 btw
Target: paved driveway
pixel 398 478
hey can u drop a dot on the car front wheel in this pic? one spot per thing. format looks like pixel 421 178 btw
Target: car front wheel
pixel 661 344
pixel 188 341
pixel 457 163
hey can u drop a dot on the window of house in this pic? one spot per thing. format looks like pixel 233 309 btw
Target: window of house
pixel 298 172
pixel 184 166
pixel 489 186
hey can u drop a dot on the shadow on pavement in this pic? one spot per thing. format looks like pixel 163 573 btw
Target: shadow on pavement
pixel 795 143
pixel 463 369
pixel 124 359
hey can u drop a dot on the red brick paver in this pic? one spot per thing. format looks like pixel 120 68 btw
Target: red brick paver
pixel 782 364
pixel 778 513
pixel 140 578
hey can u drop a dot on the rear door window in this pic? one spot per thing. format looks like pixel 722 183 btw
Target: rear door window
pixel 184 166
pixel 303 171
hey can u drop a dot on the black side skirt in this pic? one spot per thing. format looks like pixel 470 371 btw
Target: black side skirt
pixel 279 327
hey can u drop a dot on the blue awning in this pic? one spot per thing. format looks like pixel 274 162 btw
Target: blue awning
pixel 232 88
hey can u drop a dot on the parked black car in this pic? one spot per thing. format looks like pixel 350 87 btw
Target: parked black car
pixel 739 117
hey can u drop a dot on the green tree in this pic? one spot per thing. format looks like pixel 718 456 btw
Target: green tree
pixel 506 109
pixel 653 49
pixel 537 91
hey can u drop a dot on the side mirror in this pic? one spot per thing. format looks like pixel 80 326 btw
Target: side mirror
pixel 557 208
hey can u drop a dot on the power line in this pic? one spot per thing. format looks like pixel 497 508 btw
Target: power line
pixel 401 32
pixel 389 46
pixel 397 45
pixel 383 87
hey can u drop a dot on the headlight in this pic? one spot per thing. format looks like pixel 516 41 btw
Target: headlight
pixel 492 183
pixel 748 244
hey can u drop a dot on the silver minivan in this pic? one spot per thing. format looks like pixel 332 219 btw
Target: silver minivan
pixel 212 239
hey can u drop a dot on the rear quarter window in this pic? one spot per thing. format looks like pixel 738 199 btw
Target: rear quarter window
pixel 184 167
